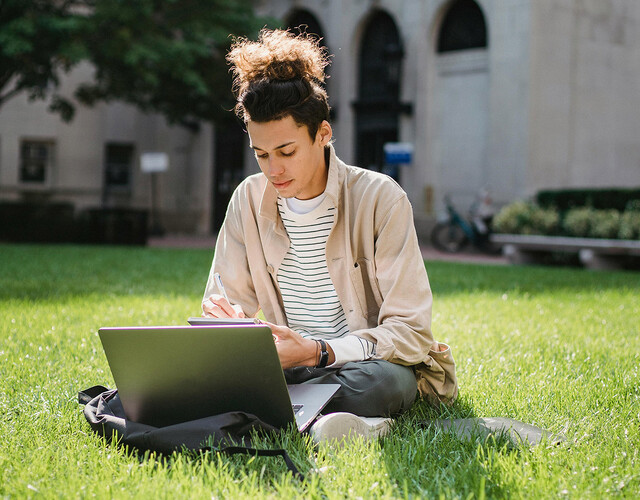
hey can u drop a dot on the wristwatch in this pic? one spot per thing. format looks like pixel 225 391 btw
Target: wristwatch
pixel 324 354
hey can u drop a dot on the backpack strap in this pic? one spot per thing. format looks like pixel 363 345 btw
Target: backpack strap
pixel 235 450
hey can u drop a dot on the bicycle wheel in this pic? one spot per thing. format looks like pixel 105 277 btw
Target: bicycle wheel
pixel 448 237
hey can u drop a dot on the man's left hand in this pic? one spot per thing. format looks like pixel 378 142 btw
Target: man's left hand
pixel 294 349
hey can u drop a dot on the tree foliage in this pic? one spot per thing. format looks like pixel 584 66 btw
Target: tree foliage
pixel 165 56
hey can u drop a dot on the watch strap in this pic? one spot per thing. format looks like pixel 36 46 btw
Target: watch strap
pixel 324 354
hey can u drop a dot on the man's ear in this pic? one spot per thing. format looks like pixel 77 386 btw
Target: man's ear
pixel 325 133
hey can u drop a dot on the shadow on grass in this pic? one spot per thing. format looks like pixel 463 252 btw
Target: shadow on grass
pixel 428 460
pixel 431 462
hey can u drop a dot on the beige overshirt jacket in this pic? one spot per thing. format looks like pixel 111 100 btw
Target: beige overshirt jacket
pixel 373 259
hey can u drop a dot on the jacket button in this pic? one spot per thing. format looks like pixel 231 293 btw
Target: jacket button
pixel 270 269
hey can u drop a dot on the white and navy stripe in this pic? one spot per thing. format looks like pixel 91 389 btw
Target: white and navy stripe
pixel 309 296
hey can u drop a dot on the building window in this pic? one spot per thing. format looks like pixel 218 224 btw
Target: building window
pixel 118 165
pixel 303 21
pixel 36 160
pixel 463 28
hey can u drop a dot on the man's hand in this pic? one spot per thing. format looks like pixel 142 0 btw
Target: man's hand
pixel 216 306
pixel 294 349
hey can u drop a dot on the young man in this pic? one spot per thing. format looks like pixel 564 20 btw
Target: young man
pixel 327 251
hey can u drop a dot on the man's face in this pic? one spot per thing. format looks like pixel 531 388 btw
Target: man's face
pixel 287 156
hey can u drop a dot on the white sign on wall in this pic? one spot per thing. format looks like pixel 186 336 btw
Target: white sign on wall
pixel 154 162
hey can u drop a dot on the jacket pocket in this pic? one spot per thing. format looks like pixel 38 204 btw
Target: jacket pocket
pixel 363 280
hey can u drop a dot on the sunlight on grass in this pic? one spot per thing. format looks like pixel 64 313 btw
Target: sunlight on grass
pixel 557 348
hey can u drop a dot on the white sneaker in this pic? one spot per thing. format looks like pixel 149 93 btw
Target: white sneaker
pixel 340 425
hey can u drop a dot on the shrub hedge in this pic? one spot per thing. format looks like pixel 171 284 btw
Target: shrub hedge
pixel 31 222
pixel 587 222
pixel 603 199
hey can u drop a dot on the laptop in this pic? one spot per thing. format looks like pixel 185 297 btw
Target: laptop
pixel 171 374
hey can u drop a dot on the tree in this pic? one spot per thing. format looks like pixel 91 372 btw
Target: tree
pixel 166 56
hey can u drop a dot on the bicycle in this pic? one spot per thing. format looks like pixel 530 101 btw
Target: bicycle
pixel 456 232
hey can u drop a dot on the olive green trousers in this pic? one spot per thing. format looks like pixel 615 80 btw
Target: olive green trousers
pixel 374 388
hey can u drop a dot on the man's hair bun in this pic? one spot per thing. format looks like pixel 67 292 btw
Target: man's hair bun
pixel 277 55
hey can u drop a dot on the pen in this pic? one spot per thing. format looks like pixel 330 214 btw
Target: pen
pixel 218 280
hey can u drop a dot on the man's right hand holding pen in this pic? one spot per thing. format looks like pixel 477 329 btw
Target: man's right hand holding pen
pixel 218 305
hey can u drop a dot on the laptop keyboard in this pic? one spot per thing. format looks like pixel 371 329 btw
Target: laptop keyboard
pixel 296 408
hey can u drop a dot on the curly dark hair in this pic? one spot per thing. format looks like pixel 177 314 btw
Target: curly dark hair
pixel 280 75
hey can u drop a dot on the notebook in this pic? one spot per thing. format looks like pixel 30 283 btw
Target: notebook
pixel 198 320
pixel 171 374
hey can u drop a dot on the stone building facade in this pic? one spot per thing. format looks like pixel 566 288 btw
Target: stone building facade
pixel 508 95
pixel 94 161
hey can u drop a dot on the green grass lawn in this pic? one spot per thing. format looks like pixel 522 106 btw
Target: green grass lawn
pixel 558 348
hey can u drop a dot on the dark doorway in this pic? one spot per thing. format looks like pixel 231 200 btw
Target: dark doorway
pixel 228 169
pixel 378 106
pixel 303 21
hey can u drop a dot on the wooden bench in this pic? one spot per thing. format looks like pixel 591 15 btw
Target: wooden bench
pixel 594 253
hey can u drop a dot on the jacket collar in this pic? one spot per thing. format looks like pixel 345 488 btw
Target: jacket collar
pixel 335 178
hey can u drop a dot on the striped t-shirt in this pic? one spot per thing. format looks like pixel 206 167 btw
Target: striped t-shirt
pixel 310 300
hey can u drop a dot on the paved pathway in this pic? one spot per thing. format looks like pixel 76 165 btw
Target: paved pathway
pixel 428 252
